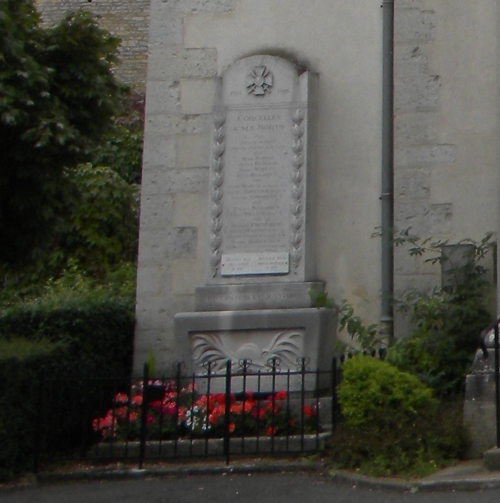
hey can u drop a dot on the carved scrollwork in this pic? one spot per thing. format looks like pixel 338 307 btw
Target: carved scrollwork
pixel 284 347
pixel 217 181
pixel 297 207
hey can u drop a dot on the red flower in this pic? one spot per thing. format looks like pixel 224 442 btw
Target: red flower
pixel 156 406
pixel 280 395
pixel 307 411
pixel 248 406
pixel 259 413
pixel 231 427
pixel 270 431
pixel 218 398
pixel 120 398
pixel 121 412
pixel 236 408
pixel 136 400
pixel 169 409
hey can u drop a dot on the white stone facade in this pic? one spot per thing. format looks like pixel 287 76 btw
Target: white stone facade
pixel 446 137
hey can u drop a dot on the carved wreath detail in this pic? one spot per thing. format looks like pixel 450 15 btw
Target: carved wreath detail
pixel 297 188
pixel 259 81
pixel 218 147
pixel 211 348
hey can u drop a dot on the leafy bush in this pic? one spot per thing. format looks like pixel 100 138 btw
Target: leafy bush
pixel 362 336
pixel 102 219
pixel 121 147
pixel 58 97
pixel 448 320
pixel 390 422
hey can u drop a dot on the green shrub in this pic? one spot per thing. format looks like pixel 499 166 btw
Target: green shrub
pixel 22 363
pixel 448 320
pixel 390 421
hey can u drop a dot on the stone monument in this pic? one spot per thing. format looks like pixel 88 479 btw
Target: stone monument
pixel 260 264
pixel 479 402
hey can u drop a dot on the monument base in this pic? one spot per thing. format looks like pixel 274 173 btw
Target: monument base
pixel 257 296
pixel 258 336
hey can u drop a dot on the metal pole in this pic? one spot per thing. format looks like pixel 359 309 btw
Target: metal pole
pixel 387 196
pixel 227 414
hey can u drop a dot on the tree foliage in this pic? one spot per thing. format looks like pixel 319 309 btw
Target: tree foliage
pixel 57 96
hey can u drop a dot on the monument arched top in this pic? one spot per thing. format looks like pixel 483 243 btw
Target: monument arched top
pixel 262 80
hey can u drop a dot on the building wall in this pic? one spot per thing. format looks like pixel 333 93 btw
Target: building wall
pixel 446 107
pixel 127 19
pixel 194 41
pixel 446 130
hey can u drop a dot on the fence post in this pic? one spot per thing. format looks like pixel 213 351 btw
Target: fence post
pixel 334 393
pixel 177 405
pixel 227 412
pixel 144 411
pixel 302 401
pixel 497 385
pixel 38 425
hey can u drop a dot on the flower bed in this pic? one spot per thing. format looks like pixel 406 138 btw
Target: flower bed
pixel 173 414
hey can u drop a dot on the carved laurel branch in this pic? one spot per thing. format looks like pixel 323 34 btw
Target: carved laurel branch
pixel 297 188
pixel 217 178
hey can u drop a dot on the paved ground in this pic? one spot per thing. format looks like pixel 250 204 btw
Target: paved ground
pixel 265 482
pixel 250 488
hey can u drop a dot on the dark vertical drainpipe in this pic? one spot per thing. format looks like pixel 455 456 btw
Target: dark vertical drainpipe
pixel 387 197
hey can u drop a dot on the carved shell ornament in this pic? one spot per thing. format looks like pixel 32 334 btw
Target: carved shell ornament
pixel 259 81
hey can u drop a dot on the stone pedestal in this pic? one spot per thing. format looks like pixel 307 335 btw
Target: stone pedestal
pixel 258 336
pixel 479 405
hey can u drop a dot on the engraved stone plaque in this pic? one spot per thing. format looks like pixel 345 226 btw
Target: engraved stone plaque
pixel 260 190
pixel 234 264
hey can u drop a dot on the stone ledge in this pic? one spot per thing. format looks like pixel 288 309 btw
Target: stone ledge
pixel 211 447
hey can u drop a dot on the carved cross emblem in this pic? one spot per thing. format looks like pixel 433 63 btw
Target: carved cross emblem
pixel 259 81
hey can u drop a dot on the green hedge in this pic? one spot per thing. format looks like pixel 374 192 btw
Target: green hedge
pixel 99 333
pixel 22 363
pixel 69 346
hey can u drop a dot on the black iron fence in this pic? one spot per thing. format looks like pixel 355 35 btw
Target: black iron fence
pixel 239 411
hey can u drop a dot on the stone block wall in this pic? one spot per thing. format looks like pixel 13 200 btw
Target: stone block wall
pixel 416 150
pixel 445 128
pixel 127 19
pixel 174 195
